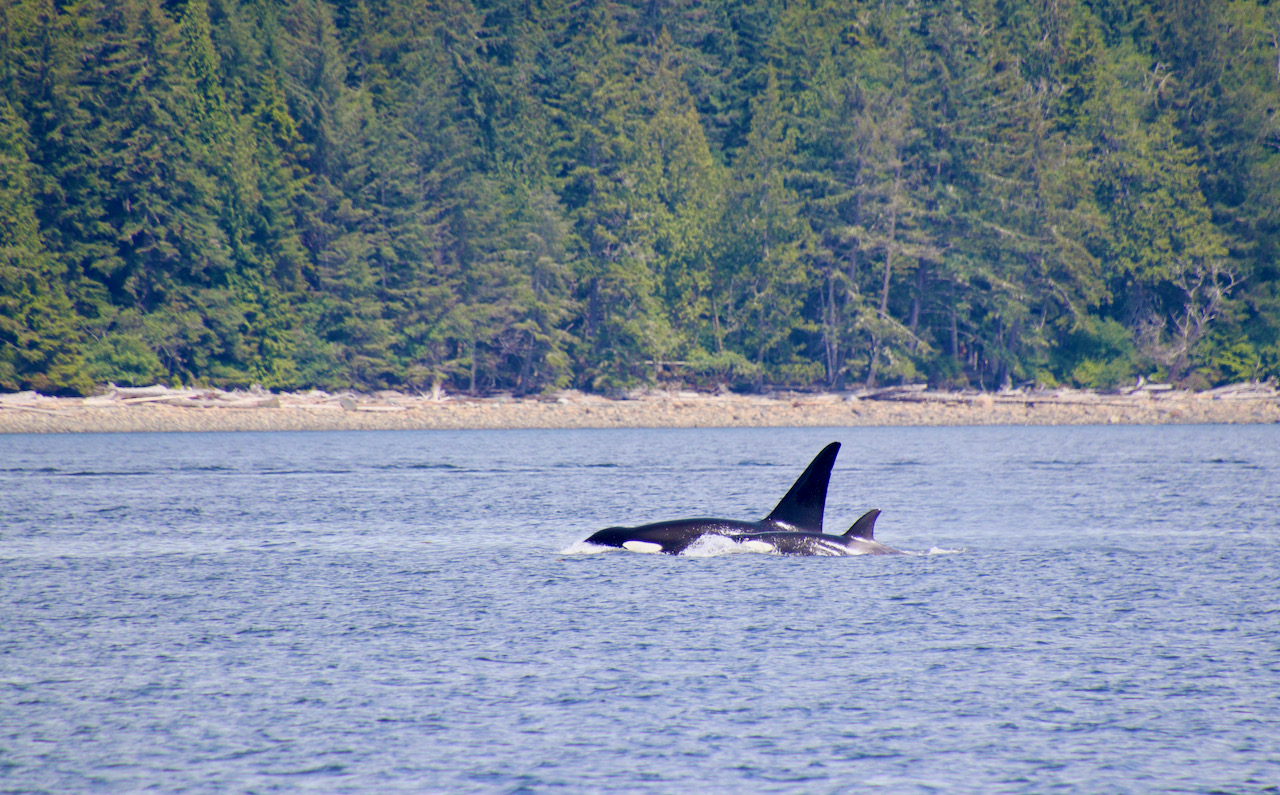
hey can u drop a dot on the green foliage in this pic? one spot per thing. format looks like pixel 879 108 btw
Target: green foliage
pixel 1269 366
pixel 1097 353
pixel 501 195
pixel 946 372
pixel 123 356
pixel 726 367
pixel 1219 358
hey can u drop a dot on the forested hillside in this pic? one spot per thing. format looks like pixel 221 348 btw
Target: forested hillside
pixel 532 194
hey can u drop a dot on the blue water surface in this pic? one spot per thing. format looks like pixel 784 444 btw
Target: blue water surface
pixel 1091 609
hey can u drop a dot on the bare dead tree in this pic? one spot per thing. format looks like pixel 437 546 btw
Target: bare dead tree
pixel 1205 284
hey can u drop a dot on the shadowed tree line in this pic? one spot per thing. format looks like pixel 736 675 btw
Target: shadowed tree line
pixel 529 195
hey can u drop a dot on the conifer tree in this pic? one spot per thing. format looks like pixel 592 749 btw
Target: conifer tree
pixel 39 341
pixel 760 287
pixel 608 188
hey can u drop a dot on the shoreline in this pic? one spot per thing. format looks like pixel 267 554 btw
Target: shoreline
pixel 159 409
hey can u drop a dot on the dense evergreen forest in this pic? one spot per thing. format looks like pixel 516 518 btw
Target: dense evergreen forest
pixel 527 195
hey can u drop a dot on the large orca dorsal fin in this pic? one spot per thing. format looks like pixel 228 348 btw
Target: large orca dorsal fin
pixel 865 527
pixel 802 508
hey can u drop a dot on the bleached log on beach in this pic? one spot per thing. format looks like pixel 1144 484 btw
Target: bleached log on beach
pixel 935 397
pixel 898 392
pixel 155 390
pixel 169 395
pixel 27 407
pixel 272 402
pixel 1259 388
pixel 216 403
pixel 1248 396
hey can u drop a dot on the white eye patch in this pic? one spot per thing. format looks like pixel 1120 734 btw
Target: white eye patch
pixel 641 546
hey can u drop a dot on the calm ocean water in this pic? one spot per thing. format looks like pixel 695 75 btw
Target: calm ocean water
pixel 1093 609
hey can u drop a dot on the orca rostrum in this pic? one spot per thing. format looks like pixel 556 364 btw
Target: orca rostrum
pixel 857 540
pixel 800 511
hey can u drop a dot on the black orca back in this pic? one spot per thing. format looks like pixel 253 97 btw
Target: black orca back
pixel 802 507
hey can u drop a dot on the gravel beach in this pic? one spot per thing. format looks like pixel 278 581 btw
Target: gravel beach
pixel 160 409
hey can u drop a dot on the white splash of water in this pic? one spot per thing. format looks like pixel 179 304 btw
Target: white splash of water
pixel 710 546
pixel 583 548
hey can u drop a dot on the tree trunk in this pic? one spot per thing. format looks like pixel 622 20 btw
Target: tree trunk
pixel 955 327
pixel 915 299
pixel 893 230
pixel 873 360
pixel 830 337
pixel 474 352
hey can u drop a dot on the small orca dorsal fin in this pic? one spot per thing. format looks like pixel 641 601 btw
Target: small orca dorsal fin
pixel 802 508
pixel 865 527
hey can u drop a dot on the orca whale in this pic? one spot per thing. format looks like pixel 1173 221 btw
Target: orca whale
pixel 857 540
pixel 800 511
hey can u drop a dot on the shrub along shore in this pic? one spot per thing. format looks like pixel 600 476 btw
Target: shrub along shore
pixel 163 409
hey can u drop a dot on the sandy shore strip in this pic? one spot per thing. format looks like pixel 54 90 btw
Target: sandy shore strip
pixel 163 409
